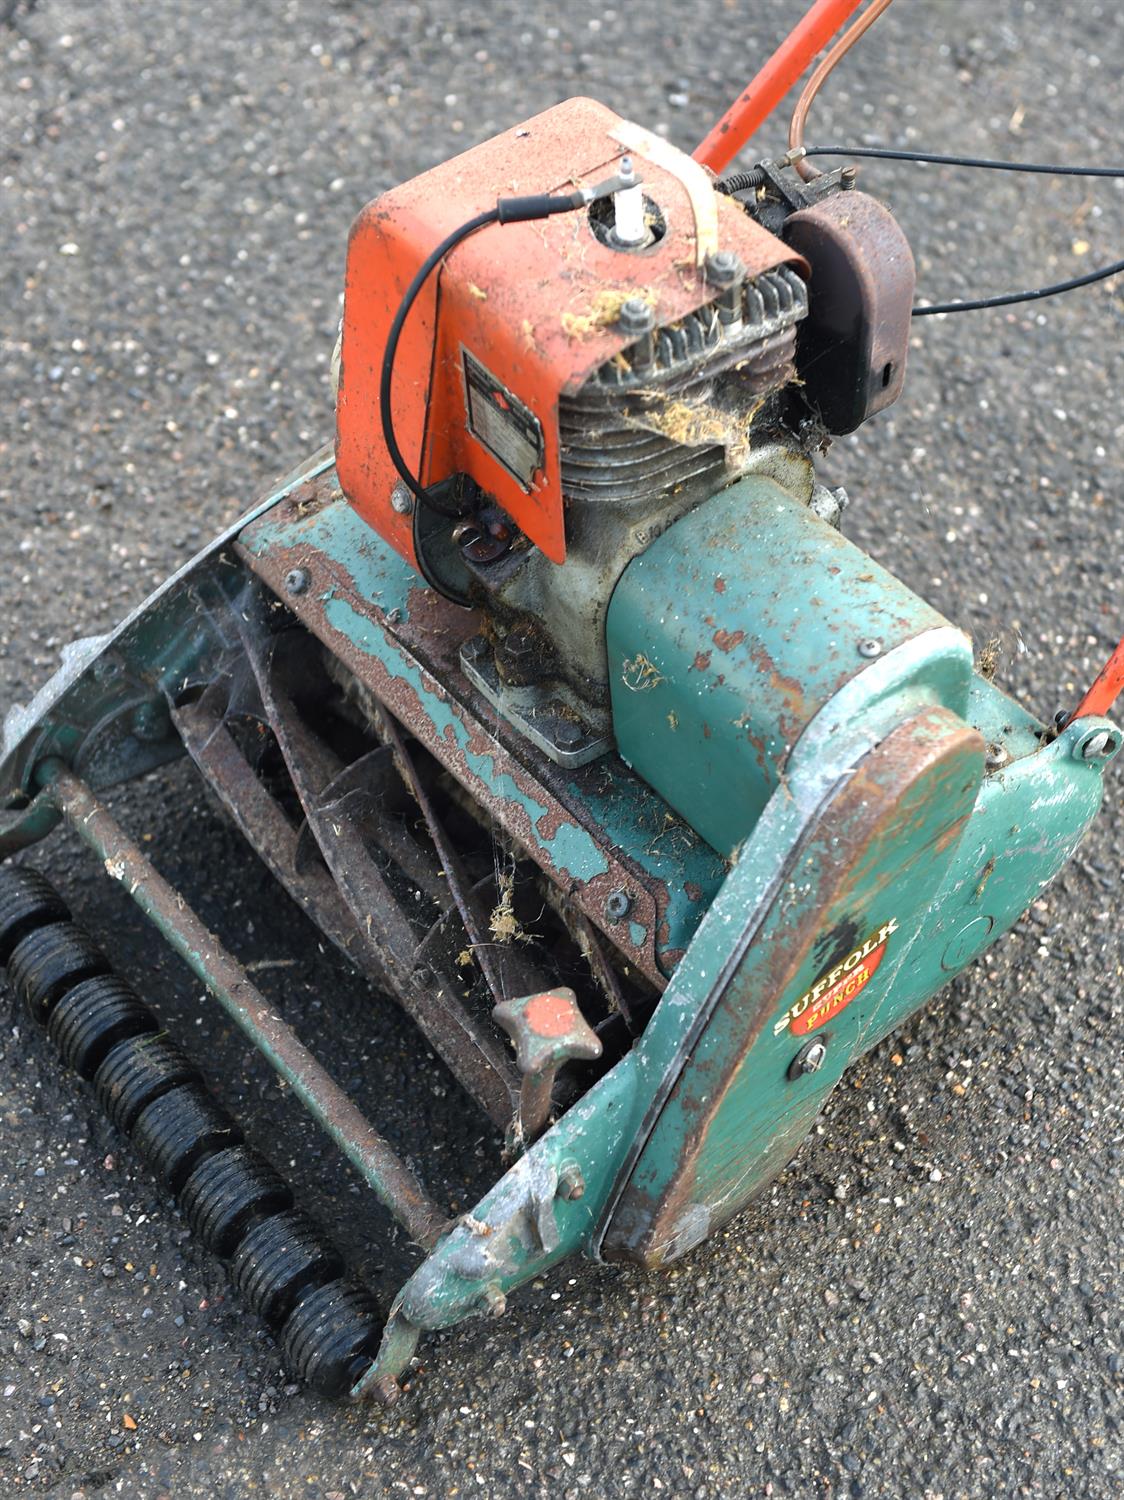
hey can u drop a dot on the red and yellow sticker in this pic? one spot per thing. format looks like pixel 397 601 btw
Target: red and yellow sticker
pixel 835 990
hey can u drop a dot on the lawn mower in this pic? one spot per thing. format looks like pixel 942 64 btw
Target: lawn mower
pixel 554 695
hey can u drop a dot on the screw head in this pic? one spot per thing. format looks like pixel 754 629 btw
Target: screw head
pixel 848 177
pixel 870 648
pixel 618 904
pixel 297 581
pixel 635 316
pixel 401 501
pixel 810 1059
pixel 997 757
pixel 723 268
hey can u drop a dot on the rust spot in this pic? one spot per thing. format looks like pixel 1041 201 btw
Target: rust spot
pixel 693 891
pixel 720 585
pixel 794 714
pixel 701 661
pixel 726 640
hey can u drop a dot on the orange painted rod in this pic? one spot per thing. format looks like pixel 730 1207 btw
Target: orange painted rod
pixel 762 95
pixel 1105 690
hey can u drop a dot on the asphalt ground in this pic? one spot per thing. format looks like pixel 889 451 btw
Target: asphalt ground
pixel 928 1301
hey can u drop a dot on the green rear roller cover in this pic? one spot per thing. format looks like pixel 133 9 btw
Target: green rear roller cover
pixel 736 627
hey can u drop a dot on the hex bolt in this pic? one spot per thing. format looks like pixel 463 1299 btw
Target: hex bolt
pixel 401 501
pixel 635 317
pixel 810 1059
pixel 297 581
pixel 568 735
pixel 571 1183
pixel 548 1030
pixel 618 904
pixel 870 647
pixel 1100 746
pixel 474 648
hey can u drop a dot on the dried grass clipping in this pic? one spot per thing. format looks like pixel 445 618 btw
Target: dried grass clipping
pixel 604 312
pixel 503 923
pixel 989 658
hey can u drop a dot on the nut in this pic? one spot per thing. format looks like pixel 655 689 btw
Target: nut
pixel 723 268
pixel 635 317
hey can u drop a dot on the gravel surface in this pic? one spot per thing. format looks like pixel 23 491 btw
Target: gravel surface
pixel 928 1302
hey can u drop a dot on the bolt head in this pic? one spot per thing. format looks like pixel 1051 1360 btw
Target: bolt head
pixel 401 501
pixel 517 645
pixel 568 734
pixel 150 722
pixel 618 904
pixel 297 581
pixel 870 648
pixel 997 757
pixel 474 648
pixel 635 316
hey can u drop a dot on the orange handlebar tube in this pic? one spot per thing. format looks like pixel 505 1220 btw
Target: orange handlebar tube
pixel 1105 690
pixel 762 95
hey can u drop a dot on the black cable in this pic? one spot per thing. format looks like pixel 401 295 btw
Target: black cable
pixel 1009 297
pixel 506 211
pixel 1050 169
pixel 424 271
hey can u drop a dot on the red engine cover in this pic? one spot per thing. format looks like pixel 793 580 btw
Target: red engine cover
pixel 518 315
